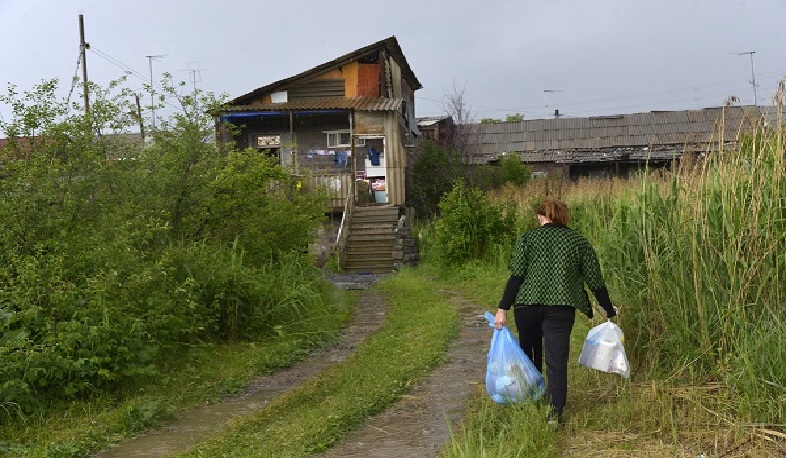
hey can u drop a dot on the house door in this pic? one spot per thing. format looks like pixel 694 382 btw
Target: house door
pixel 375 170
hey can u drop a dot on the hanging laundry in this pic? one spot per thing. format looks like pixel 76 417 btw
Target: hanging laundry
pixel 340 160
pixel 373 156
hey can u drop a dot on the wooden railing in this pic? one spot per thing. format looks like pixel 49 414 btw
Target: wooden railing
pixel 343 229
pixel 338 187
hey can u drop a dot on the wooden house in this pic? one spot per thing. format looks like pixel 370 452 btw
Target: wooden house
pixel 344 125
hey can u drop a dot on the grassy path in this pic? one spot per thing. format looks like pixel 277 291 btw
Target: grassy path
pixel 314 416
pixel 196 425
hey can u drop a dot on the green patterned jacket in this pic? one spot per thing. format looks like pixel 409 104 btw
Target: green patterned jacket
pixel 552 263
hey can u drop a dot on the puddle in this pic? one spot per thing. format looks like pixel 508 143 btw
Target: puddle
pixel 199 424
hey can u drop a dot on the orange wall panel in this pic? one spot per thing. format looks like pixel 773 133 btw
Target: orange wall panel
pixel 368 80
pixel 350 75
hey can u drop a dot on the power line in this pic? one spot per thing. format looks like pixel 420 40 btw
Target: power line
pixel 132 72
pixel 74 79
pixel 714 95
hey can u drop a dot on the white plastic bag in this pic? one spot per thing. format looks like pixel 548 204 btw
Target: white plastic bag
pixel 603 350
pixel 510 375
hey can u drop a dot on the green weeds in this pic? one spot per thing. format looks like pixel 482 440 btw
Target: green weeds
pixel 315 415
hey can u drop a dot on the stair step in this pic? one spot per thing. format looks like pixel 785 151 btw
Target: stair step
pixel 368 262
pixel 371 225
pixel 362 270
pixel 373 233
pixel 376 268
pixel 374 221
pixel 372 252
pixel 373 247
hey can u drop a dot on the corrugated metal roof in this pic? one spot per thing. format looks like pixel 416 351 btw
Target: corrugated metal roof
pixel 430 121
pixel 325 103
pixel 629 130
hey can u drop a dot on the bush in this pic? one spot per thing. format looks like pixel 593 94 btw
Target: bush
pixel 470 226
pixel 107 265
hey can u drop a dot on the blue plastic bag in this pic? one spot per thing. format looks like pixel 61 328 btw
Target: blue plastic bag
pixel 510 375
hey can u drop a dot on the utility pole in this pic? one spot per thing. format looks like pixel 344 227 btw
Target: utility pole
pixel 82 47
pixel 152 89
pixel 546 93
pixel 139 118
pixel 753 75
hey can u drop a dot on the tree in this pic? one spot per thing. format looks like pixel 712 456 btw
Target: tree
pixel 434 172
pixel 464 140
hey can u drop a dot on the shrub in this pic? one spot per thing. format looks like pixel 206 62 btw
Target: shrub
pixel 470 226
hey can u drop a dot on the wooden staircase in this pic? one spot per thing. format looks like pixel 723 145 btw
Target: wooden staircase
pixel 371 239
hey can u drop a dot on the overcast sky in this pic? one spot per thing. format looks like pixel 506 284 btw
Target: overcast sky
pixel 600 57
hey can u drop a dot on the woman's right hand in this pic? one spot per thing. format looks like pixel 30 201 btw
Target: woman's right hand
pixel 500 319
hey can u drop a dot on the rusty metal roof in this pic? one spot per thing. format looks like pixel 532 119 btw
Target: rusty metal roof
pixel 325 103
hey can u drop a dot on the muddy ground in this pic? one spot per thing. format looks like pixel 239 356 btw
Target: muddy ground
pixel 417 426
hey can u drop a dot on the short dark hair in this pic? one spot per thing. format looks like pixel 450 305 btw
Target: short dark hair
pixel 555 210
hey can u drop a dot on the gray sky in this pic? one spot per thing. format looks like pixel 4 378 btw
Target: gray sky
pixel 602 57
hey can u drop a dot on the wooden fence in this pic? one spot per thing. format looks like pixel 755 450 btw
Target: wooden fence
pixel 338 187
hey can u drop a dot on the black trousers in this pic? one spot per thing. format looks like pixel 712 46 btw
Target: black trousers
pixel 536 323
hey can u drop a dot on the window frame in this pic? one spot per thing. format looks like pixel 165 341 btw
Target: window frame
pixel 358 141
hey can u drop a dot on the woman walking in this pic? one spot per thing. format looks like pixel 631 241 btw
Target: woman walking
pixel 548 271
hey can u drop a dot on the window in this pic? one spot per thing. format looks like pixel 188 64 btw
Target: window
pixel 342 139
pixel 265 141
pixel 268 144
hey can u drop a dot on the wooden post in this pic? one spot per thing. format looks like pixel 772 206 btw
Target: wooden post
pixel 82 47
pixel 139 118
pixel 353 169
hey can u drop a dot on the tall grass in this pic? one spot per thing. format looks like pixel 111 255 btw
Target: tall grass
pixel 697 260
pixel 693 261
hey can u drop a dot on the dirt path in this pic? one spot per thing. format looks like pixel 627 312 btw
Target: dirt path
pixel 196 425
pixel 418 425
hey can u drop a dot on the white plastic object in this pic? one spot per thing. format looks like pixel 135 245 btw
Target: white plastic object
pixel 603 350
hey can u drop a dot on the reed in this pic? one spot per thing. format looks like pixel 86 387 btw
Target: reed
pixel 694 262
pixel 692 257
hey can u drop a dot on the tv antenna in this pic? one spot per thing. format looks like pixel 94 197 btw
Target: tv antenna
pixel 546 93
pixel 150 60
pixel 194 73
pixel 753 74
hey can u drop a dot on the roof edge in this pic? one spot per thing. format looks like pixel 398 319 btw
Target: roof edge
pixel 390 44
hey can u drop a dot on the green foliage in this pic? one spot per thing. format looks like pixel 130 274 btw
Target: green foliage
pixel 471 227
pixel 510 171
pixel 142 415
pixel 518 117
pixel 490 121
pixel 256 201
pixel 313 416
pixel 696 258
pixel 113 254
pixel 434 172
pixel 514 171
